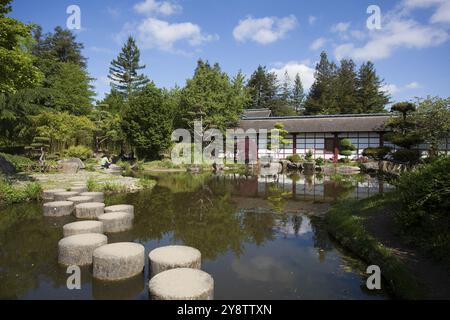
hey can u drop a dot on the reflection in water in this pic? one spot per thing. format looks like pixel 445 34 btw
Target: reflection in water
pixel 253 235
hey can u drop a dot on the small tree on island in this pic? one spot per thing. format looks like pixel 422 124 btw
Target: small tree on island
pixel 346 149
pixel 280 133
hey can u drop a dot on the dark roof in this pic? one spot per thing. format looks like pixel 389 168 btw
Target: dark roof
pixel 325 123
pixel 257 113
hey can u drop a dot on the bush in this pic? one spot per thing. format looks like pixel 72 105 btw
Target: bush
pixel 294 158
pixel 81 152
pixel 425 198
pixel 309 155
pixel 10 194
pixel 407 156
pixel 20 163
pixel 320 162
pixel 376 154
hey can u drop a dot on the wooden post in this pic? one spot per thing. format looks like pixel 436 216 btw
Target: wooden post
pixel 294 137
pixel 336 148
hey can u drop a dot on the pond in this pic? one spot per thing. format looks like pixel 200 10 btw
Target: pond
pixel 260 238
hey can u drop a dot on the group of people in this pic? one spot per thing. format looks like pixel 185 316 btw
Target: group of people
pixel 106 161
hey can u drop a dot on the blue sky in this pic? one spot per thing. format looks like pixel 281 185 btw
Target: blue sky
pixel 411 51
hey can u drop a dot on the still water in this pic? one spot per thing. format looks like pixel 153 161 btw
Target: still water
pixel 260 238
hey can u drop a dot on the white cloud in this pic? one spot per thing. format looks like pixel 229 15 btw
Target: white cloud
pixel 393 88
pixel 397 33
pixel 264 30
pixel 154 7
pixel 413 85
pixel 312 20
pixel 101 50
pixel 390 88
pixel 293 67
pixel 113 12
pixel 154 33
pixel 340 27
pixel 318 43
pixel 442 14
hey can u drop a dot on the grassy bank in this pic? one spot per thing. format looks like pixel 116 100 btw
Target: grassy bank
pixel 13 192
pixel 345 222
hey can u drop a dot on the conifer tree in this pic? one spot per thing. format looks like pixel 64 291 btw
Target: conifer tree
pixel 346 88
pixel 262 88
pixel 371 97
pixel 298 94
pixel 123 72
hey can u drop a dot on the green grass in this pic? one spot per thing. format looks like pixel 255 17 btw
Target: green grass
pixel 11 193
pixel 344 222
pixel 20 163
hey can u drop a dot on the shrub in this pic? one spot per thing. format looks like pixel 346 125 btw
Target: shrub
pixel 20 163
pixel 10 193
pixel 320 162
pixel 309 155
pixel 346 148
pixel 81 152
pixel 376 154
pixel 425 198
pixel 407 156
pixel 294 158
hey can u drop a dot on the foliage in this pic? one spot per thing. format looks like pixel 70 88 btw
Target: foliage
pixel 262 87
pixel 320 162
pixel 309 155
pixel 279 133
pixel 20 163
pixel 298 94
pixel 371 99
pixel 108 128
pixel 16 62
pixel 124 70
pixel 147 122
pixel 295 158
pixel 407 156
pixel 12 193
pixel 424 195
pixel 377 154
pixel 346 148
pixel 81 152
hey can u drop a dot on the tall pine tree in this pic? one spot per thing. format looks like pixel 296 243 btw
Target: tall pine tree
pixel 298 94
pixel 263 88
pixel 321 97
pixel 346 88
pixel 371 97
pixel 123 72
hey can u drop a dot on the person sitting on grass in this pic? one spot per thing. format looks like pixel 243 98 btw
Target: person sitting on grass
pixel 105 162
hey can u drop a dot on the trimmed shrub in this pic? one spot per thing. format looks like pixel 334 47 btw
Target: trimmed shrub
pixel 294 158
pixel 407 156
pixel 81 152
pixel 376 154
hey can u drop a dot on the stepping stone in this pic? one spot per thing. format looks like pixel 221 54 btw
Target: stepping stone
pixel 172 257
pixel 80 199
pixel 49 195
pixel 116 221
pixel 89 210
pixel 79 189
pixel 78 249
pixel 82 227
pixel 98 196
pixel 63 196
pixel 120 208
pixel 118 261
pixel 182 284
pixel 58 209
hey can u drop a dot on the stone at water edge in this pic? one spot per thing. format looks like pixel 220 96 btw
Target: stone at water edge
pixel 98 196
pixel 80 199
pixel 182 284
pixel 89 210
pixel 114 222
pixel 48 195
pixel 79 189
pixel 58 208
pixel 78 249
pixel 118 261
pixel 172 257
pixel 82 227
pixel 120 208
pixel 63 196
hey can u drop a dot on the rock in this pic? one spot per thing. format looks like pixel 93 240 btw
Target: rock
pixel 271 169
pixel 49 195
pixel 80 199
pixel 348 170
pixel 82 227
pixel 77 161
pixel 118 261
pixel 68 168
pixel 97 196
pixel 58 209
pixel 78 249
pixel 172 257
pixel 79 189
pixel 117 221
pixel 120 208
pixel 63 196
pixel 6 167
pixel 182 284
pixel 89 210
pixel 370 166
pixel 291 166
pixel 309 167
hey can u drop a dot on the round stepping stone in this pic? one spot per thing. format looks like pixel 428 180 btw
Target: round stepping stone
pixel 63 196
pixel 79 189
pixel 82 227
pixel 116 221
pixel 80 199
pixel 89 210
pixel 58 209
pixel 171 257
pixel 78 249
pixel 49 195
pixel 120 208
pixel 118 261
pixel 97 196
pixel 182 284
